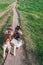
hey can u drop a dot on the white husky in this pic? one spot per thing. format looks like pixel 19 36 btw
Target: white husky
pixel 16 44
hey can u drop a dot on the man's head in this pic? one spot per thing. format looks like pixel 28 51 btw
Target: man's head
pixel 17 28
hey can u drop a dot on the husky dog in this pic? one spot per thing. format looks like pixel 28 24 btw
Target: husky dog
pixel 17 44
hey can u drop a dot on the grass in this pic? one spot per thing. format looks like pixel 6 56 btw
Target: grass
pixel 8 21
pixel 2 19
pixel 31 17
pixel 4 4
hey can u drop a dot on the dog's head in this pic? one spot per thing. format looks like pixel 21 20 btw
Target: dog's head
pixel 7 38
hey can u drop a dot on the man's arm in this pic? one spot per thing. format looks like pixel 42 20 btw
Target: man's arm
pixel 20 32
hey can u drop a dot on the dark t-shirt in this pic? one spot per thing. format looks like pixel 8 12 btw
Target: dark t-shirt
pixel 17 35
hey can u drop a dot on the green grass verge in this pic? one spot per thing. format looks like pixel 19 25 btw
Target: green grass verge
pixel 31 17
pixel 4 4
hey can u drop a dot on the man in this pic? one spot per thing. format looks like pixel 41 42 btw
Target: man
pixel 18 32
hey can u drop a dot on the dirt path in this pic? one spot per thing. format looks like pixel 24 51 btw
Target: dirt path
pixel 19 59
pixel 15 16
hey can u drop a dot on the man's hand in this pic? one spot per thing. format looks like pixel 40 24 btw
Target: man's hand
pixel 20 32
